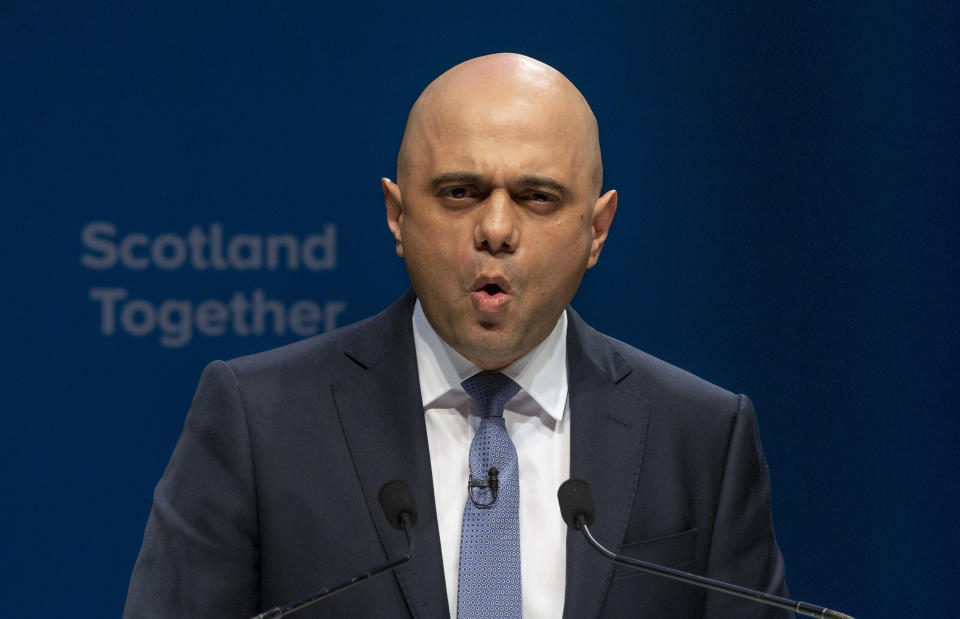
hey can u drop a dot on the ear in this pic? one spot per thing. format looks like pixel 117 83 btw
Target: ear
pixel 603 211
pixel 394 204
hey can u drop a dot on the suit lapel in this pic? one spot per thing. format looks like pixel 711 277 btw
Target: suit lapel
pixel 382 418
pixel 608 434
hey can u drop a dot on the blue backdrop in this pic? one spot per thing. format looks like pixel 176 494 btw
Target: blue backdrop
pixel 187 181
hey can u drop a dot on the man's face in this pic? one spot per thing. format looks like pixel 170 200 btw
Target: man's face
pixel 497 217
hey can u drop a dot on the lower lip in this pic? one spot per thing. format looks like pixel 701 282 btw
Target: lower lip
pixel 489 303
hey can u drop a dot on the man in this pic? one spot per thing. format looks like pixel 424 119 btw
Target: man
pixel 497 212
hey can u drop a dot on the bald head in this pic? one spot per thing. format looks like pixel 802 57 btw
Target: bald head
pixel 497 90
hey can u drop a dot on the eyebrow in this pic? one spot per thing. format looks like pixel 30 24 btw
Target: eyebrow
pixel 457 176
pixel 544 182
pixel 471 178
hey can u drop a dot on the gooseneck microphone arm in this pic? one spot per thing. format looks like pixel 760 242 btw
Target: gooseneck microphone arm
pixel 802 608
pixel 401 511
pixel 576 506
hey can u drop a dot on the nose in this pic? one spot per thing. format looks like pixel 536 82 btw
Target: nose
pixel 496 229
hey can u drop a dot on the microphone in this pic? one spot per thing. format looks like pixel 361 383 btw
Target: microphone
pixel 397 503
pixel 492 482
pixel 577 509
pixel 400 508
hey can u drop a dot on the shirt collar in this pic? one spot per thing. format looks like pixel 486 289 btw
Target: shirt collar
pixel 541 373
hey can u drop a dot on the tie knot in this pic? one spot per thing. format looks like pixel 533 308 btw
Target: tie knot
pixel 491 391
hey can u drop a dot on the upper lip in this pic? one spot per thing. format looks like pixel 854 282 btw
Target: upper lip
pixel 487 280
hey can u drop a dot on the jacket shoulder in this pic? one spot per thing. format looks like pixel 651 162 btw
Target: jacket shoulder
pixel 337 353
pixel 662 384
pixel 655 372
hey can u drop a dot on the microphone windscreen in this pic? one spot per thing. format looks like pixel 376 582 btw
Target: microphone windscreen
pixel 576 498
pixel 395 499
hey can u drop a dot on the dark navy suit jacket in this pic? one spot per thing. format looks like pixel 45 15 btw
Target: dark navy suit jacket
pixel 271 492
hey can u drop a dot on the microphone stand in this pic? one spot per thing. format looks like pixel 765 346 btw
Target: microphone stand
pixel 809 610
pixel 277 612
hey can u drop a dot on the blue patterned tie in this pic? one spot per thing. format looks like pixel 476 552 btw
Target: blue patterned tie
pixel 489 583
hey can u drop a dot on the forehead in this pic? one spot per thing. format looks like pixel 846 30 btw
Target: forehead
pixel 507 131
pixel 507 136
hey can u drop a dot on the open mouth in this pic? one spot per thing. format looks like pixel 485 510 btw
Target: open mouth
pixel 491 293
pixel 491 285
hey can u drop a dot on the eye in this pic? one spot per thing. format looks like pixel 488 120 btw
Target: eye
pixel 458 193
pixel 540 199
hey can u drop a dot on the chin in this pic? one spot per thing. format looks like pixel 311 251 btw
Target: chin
pixel 492 353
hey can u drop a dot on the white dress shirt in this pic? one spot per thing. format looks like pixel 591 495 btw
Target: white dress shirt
pixel 538 420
